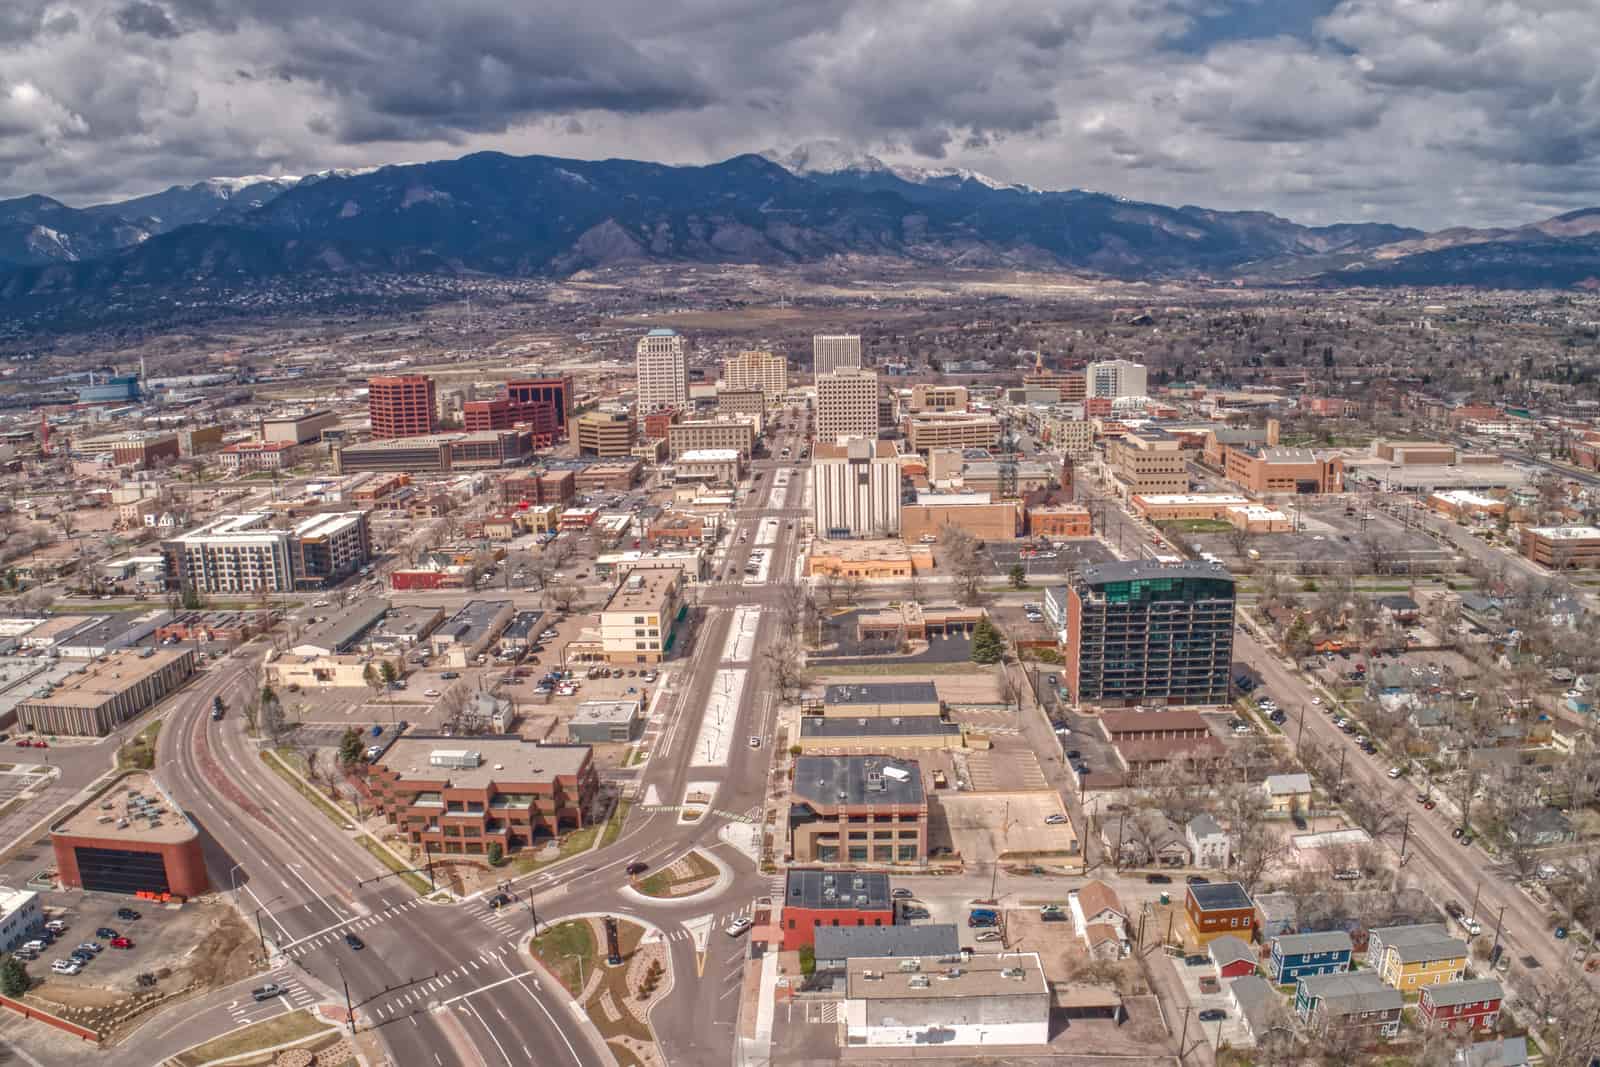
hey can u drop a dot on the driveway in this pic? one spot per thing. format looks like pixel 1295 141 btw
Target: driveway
pixel 1232 1028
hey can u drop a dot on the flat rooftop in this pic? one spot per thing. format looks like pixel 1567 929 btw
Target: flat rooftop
pixel 854 448
pixel 135 808
pixel 881 693
pixel 1565 533
pixel 808 887
pixel 604 712
pixel 709 455
pixel 844 727
pixel 878 942
pixel 1144 570
pixel 109 677
pixel 337 632
pixel 473 617
pixel 854 780
pixel 1220 896
pixel 1220 500
pixel 326 525
pixel 1006 974
pixel 503 760
pixel 644 588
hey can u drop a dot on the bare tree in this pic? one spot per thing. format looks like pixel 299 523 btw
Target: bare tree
pixel 1255 851
pixel 562 597
pixel 783 659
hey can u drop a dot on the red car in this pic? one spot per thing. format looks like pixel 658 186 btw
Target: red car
pixel 41 744
pixel 121 942
pixel 23 742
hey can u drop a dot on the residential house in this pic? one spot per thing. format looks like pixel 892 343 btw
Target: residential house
pixel 1410 957
pixel 1146 838
pixel 1472 1004
pixel 1400 607
pixel 1541 826
pixel 1276 914
pixel 1231 957
pixel 1297 956
pixel 1287 793
pixel 1207 842
pixel 1100 920
pixel 1253 1001
pixel 1219 908
pixel 1499 1052
pixel 1340 1001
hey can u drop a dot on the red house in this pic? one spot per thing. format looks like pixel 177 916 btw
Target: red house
pixel 1233 957
pixel 813 898
pixel 1472 1004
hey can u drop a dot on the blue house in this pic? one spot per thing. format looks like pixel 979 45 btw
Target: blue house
pixel 1297 956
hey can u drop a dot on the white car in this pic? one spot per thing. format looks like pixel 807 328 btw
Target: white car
pixel 66 966
pixel 1316 701
pixel 1057 819
pixel 755 742
pixel 430 692
pixel 738 927
pixel 1395 772
pixel 988 935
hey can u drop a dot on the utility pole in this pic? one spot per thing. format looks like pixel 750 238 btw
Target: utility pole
pixel 1476 890
pixel 1499 919
pixel 1339 789
pixel 260 936
pixel 349 1009
pixel 1300 734
pixel 1183 1038
pixel 1405 832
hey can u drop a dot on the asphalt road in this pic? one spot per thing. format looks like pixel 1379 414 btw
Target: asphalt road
pixel 1435 859
pixel 448 983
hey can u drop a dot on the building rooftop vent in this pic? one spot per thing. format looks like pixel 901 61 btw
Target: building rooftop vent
pixel 910 965
pixel 917 981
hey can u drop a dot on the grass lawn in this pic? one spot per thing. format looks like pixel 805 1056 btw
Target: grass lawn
pixel 140 751
pixel 277 1031
pixel 557 946
pixel 613 828
pixel 280 766
pixel 575 842
pixel 407 875
pixel 662 882
pixel 1194 526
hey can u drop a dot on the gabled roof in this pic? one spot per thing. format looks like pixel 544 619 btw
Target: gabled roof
pixel 1446 948
pixel 1096 897
pixel 1254 996
pixel 1321 941
pixel 1468 991
pixel 1346 994
pixel 1204 825
pixel 1229 949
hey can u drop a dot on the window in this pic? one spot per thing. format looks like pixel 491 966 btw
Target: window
pixel 638 620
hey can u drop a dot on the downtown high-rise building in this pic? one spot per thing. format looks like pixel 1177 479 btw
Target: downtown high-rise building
pixel 831 352
pixel 856 485
pixel 1149 633
pixel 662 361
pixel 402 405
pixel 757 369
pixel 1117 377
pixel 847 405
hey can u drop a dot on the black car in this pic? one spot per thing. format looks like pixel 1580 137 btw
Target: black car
pixel 1073 753
pixel 1196 879
pixel 1212 1015
pixel 1158 879
pixel 499 900
pixel 105 933
pixel 1196 960
pixel 637 867
pixel 355 943
pixel 127 915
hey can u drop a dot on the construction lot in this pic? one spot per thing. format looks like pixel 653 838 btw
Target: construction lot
pixel 1363 543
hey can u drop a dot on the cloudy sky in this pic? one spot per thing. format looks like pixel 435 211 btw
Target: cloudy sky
pixel 1424 112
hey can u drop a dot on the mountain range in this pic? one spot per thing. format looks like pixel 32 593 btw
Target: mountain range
pixel 534 216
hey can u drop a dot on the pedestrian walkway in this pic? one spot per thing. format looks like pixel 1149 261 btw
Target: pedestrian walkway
pixel 327 936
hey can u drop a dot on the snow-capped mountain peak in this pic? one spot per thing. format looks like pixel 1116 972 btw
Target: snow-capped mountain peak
pixel 836 157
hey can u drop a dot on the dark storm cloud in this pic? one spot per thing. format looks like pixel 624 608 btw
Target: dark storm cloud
pixel 146 18
pixel 1428 113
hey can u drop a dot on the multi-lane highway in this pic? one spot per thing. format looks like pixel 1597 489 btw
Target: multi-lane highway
pixel 451 983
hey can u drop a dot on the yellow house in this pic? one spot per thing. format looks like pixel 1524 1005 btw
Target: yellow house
pixel 1287 793
pixel 1412 964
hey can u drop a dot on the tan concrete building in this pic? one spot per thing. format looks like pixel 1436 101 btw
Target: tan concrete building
pixel 975 513
pixel 857 809
pixel 108 693
pixel 721 465
pixel 738 434
pixel 663 378
pixel 1425 453
pixel 1464 505
pixel 929 398
pixel 749 403
pixel 1075 437
pixel 832 352
pixel 636 624
pixel 757 369
pixel 604 433
pixel 1150 461
pixel 1562 547
pixel 298 429
pixel 1270 469
pixel 956 430
pixel 856 487
pixel 847 405
pixel 868 559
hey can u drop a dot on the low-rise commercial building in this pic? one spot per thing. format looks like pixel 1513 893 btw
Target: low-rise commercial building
pixel 469 632
pixel 637 622
pixel 107 693
pixel 843 735
pixel 911 621
pixel 1217 909
pixel 927 398
pixel 300 429
pixel 21 917
pixel 604 433
pixel 951 430
pixel 259 456
pixel 1271 469
pixel 868 559
pixel 1466 506
pixel 597 722
pixel 857 809
pixel 460 795
pixel 1059 520
pixel 130 838
pixel 1562 547
pixel 1000 999
pixel 744 403
pixel 722 466
pixel 882 700
pixel 737 434
pixel 814 898
pixel 439 453
pixel 977 514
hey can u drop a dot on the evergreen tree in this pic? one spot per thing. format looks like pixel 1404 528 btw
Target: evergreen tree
pixel 987 644
pixel 14 977
pixel 350 749
pixel 1019 576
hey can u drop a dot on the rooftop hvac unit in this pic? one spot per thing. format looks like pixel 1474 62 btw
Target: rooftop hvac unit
pixel 458 758
pixel 858 882
pixel 1013 972
pixel 899 774
pixel 953 972
pixel 918 981
pixel 872 976
pixel 910 965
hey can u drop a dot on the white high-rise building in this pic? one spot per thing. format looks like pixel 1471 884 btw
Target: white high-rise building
pixel 831 352
pixel 663 372
pixel 757 369
pixel 856 489
pixel 1117 377
pixel 847 405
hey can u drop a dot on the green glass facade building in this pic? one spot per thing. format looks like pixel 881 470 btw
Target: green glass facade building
pixel 1150 633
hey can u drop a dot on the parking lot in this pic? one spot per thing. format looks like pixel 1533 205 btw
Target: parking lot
pixel 160 940
pixel 1329 537
pixel 1064 557
pixel 1212 997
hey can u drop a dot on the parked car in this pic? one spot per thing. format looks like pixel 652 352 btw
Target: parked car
pixel 68 967
pixel 121 942
pixel 1196 960
pixel 902 893
pixel 1395 772
pixel 105 933
pixel 127 915
pixel 1158 879
pixel 1197 879
pixel 988 935
pixel 55 926
pixel 739 926
pixel 1056 819
pixel 1212 1015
